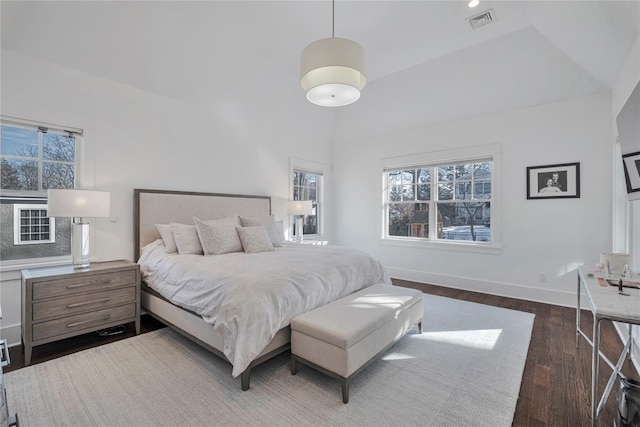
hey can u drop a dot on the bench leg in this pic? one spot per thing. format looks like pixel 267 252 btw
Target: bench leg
pixel 245 377
pixel 294 365
pixel 420 327
pixel 345 390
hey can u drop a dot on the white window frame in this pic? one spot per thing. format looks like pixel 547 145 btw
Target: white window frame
pixel 17 224
pixel 30 124
pixel 320 169
pixel 491 152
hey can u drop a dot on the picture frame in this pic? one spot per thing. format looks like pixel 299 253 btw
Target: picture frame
pixel 560 181
pixel 631 164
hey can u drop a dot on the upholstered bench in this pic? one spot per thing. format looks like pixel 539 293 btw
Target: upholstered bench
pixel 341 338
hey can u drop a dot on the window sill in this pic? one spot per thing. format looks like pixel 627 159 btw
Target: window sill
pixel 309 242
pixel 443 245
pixel 22 264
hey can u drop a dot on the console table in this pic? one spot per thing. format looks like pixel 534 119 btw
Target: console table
pixel 605 303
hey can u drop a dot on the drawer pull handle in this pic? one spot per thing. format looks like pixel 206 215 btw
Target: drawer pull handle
pixel 73 325
pixel 80 285
pixel 4 357
pixel 80 304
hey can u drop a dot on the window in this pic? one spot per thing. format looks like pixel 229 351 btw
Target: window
pixel 33 158
pixel 306 186
pixel 33 225
pixel 442 201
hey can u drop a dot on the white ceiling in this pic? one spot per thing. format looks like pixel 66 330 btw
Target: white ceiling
pixel 203 50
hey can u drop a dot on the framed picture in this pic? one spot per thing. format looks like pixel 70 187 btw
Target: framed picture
pixel 554 181
pixel 631 163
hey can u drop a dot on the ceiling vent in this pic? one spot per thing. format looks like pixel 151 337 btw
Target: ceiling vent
pixel 482 19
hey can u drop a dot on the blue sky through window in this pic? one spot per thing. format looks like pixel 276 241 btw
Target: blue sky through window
pixel 18 141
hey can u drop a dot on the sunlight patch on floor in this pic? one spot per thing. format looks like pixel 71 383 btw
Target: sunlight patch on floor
pixel 484 339
pixel 397 356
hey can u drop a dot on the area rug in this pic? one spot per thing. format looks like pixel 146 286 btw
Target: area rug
pixel 465 369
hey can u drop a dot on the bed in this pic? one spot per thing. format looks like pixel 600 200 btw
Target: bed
pixel 250 297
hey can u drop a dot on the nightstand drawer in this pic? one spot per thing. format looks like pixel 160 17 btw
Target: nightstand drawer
pixel 92 320
pixel 83 283
pixel 81 303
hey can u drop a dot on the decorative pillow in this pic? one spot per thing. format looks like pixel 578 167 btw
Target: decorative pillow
pixel 186 238
pixel 275 229
pixel 255 239
pixel 247 221
pixel 218 239
pixel 167 237
pixel 230 220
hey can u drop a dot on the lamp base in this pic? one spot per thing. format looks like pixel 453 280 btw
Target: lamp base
pixel 80 244
pixel 299 230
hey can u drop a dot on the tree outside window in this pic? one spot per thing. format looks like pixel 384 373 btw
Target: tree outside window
pixel 444 202
pixel 33 159
pixel 306 186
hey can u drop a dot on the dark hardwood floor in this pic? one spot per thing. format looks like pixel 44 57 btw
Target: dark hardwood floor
pixel 556 384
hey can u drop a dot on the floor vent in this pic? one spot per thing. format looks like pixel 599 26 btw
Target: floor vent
pixel 482 19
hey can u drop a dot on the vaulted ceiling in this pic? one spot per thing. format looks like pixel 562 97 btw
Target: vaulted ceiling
pixel 202 50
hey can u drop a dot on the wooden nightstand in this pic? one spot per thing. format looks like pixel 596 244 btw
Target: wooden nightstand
pixel 62 302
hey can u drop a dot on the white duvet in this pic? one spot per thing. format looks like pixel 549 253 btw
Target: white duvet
pixel 249 297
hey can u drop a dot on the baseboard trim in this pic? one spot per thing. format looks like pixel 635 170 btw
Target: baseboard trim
pixel 509 290
pixel 13 335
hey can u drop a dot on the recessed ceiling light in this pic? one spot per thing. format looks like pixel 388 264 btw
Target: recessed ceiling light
pixel 474 3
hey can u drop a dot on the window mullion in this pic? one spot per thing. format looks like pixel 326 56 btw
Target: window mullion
pixel 433 217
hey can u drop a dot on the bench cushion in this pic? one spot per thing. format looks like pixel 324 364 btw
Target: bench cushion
pixel 347 321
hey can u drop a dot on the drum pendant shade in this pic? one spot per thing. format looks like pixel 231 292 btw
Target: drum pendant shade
pixel 332 72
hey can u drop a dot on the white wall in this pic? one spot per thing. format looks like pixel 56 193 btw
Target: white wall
pixel 551 237
pixel 135 139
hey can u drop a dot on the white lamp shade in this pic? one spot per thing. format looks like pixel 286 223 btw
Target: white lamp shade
pixel 332 72
pixel 299 207
pixel 78 203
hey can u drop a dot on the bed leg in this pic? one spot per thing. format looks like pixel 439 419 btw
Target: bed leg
pixel 245 376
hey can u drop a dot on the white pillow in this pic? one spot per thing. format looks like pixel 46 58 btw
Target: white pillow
pixel 167 237
pixel 218 239
pixel 255 239
pixel 275 229
pixel 186 237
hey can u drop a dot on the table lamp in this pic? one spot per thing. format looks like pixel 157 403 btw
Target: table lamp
pixel 79 204
pixel 299 208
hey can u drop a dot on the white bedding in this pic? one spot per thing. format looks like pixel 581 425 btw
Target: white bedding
pixel 250 297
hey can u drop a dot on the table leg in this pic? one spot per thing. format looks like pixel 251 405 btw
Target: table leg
pixel 630 340
pixel 578 315
pixel 594 370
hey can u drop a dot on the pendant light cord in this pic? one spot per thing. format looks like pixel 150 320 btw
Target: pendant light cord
pixel 333 19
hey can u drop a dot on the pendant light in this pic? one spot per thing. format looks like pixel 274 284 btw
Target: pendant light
pixel 332 70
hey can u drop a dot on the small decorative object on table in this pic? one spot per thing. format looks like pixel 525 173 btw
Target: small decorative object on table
pixel 614 263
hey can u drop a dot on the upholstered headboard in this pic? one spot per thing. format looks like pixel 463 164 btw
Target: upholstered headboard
pixel 164 206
